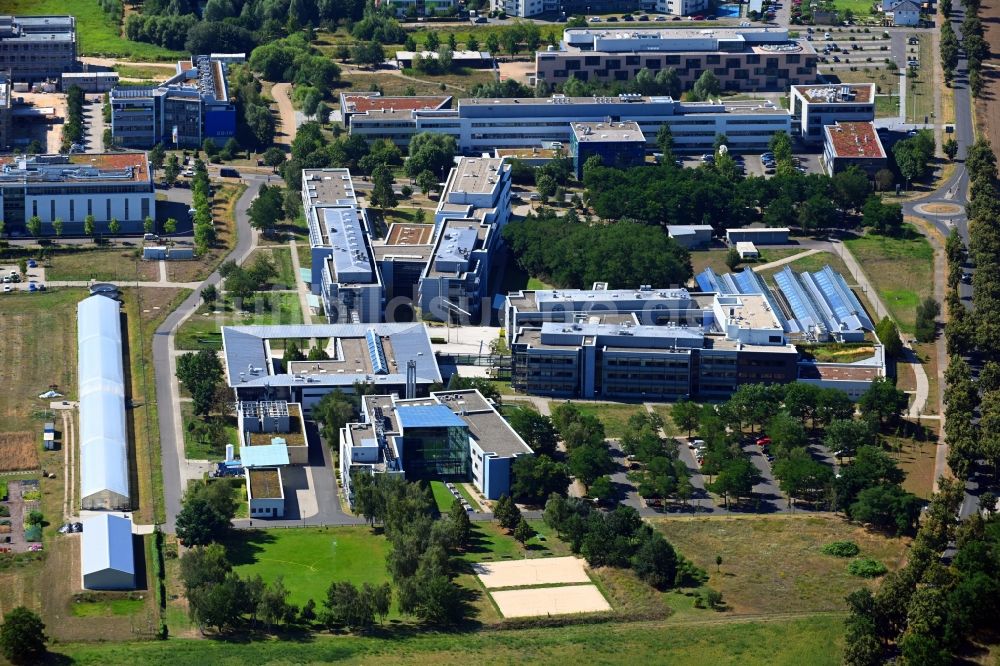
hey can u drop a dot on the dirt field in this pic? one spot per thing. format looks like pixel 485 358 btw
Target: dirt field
pixel 519 71
pixel 542 601
pixel 987 106
pixel 48 134
pixel 18 452
pixel 553 571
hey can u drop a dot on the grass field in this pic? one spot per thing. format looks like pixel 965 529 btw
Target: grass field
pixel 491 542
pixel 224 213
pixel 39 349
pixel 102 265
pixel 883 79
pixel 813 262
pixel 774 565
pixel 442 496
pixel 281 257
pixel 901 269
pixel 860 8
pixel 614 416
pixel 109 607
pixel 148 72
pixel 920 90
pixel 886 106
pixel 202 330
pixel 816 641
pixel 310 559
pixel 716 258
pixel 97 35
pixel 198 450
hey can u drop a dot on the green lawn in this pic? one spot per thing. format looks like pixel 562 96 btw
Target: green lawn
pixel 108 607
pixel 103 265
pixel 812 263
pixel 860 8
pixel 716 258
pixel 886 106
pixel 199 450
pixel 491 542
pixel 920 90
pixel 442 496
pixel 817 641
pixel 468 496
pixel 202 330
pixel 97 35
pixel 901 269
pixel 614 417
pixel 281 257
pixel 309 559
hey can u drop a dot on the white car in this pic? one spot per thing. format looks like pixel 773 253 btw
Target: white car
pixel 7 288
pixel 595 19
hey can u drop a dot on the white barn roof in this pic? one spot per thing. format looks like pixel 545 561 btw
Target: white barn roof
pixel 103 436
pixel 107 559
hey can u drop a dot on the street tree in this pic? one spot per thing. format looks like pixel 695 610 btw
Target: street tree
pixel 382 195
pixel 34 226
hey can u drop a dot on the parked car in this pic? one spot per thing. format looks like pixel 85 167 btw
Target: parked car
pixel 32 263
pixel 763 442
pixel 228 172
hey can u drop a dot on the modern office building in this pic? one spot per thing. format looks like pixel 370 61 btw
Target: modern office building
pixel 484 125
pixel 620 145
pixel 6 111
pixel 473 209
pixel 814 107
pixel 745 59
pixel 36 48
pixel 853 144
pixel 183 111
pixel 354 102
pixel 665 344
pixel 71 187
pixel 452 435
pixel 377 354
pixel 350 285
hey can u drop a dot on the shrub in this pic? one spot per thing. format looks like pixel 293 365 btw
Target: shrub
pixel 841 549
pixel 866 567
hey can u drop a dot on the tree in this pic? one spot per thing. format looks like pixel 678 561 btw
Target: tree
pixel 871 466
pixel 665 142
pixel 887 507
pixel 460 525
pixel 685 415
pixel 114 226
pixel 535 429
pixel 882 218
pixel 850 188
pixel 706 86
pixel 334 411
pixel 817 212
pixel 156 156
pixel 537 477
pixel 950 148
pixel 274 157
pixel 206 512
pixel 655 561
pixel 431 152
pixel 492 43
pixel 590 461
pixel 507 513
pixel 844 436
pixel 34 226
pixel 888 334
pixel 22 636
pixel 273 604
pixel 172 170
pixel 88 225
pixel 926 326
pixel 266 209
pixel 800 400
pixel 733 258
pixel 801 477
pixel 523 531
pixel 736 479
pixel 602 488
pixel 382 195
pixel 426 181
pixel 148 225
pixel 546 186
pixel 781 145
pixel 883 401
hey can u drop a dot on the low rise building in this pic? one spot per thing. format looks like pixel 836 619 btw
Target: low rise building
pixel 274 422
pixel 394 358
pixel 183 111
pixel 470 59
pixel 813 107
pixel 89 82
pixel 355 102
pixel 853 144
pixel 619 145
pixel 746 58
pixel 758 235
pixel 691 236
pixel 36 48
pixel 902 12
pixel 265 493
pixel 71 187
pixel 451 435
pixel 107 556
pixel 485 125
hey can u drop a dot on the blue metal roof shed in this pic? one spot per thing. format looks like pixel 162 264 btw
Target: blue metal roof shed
pixel 107 559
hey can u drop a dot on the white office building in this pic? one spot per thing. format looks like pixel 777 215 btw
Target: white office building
pixel 814 107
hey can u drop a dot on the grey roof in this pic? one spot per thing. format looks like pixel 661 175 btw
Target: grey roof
pixel 103 435
pixel 456 246
pixel 349 251
pixel 107 544
pixel 245 353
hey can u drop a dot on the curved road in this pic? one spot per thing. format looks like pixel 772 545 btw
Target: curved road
pixel 167 399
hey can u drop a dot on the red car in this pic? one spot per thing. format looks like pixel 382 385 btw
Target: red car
pixel 764 442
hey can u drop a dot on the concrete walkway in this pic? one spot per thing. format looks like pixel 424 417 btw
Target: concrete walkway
pixel 786 260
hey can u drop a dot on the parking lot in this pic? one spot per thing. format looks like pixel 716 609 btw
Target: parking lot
pixel 809 162
pixel 14 281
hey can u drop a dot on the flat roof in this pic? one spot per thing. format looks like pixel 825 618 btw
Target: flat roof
pixel 455 55
pixel 268 455
pixel 427 416
pixel 348 248
pixel 370 101
pixel 527 153
pixel 77 168
pixel 332 187
pixel 476 175
pixel 265 484
pixel 854 140
pixel 487 427
pixel 591 132
pixel 678 33
pixel 841 93
pixel 406 233
pixel 838 372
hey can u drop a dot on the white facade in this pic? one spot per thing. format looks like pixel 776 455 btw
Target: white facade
pixel 681 7
pixel 265 507
pixel 107 559
pixel 74 208
pixel 902 12
pixel 813 107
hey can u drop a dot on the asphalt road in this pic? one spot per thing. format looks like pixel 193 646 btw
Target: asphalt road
pixel 172 441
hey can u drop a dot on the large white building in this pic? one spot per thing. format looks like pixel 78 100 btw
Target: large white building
pixel 71 187
pixel 481 125
pixel 107 557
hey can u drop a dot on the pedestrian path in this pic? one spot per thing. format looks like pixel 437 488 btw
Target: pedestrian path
pixel 786 260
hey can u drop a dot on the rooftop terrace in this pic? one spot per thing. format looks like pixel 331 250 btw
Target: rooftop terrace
pixel 855 141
